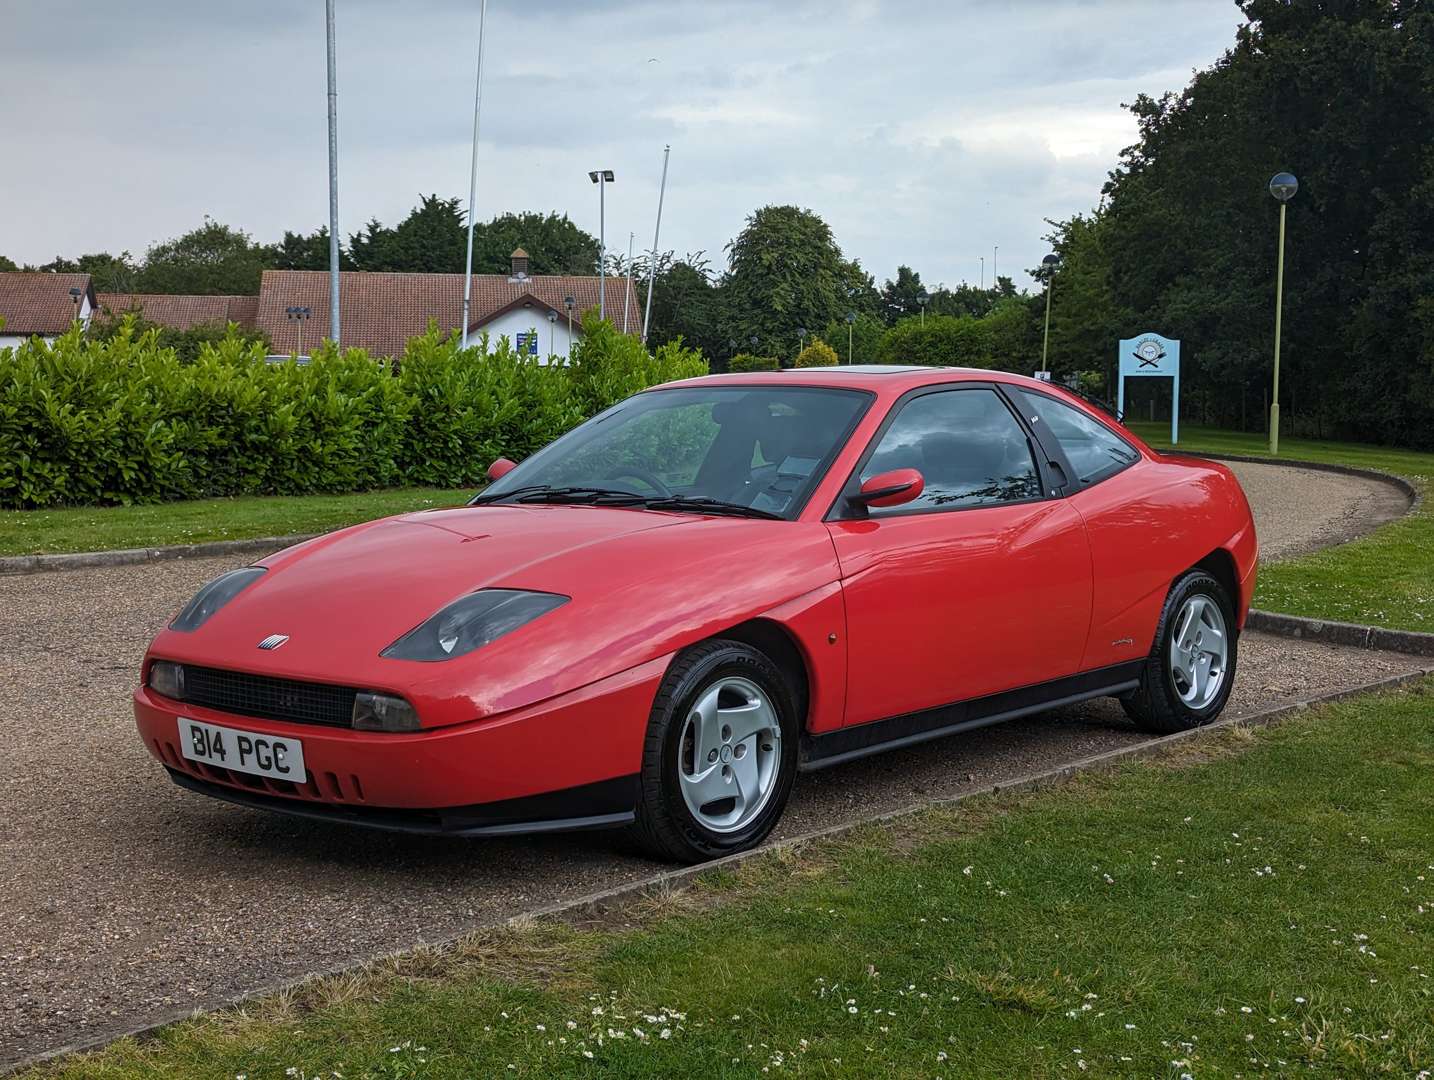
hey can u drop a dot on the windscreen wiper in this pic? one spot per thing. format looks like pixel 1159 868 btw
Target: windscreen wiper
pixel 532 493
pixel 704 504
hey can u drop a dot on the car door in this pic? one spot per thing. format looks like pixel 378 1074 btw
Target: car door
pixel 981 584
pixel 1132 524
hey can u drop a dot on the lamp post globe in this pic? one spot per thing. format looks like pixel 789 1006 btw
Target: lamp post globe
pixel 1282 186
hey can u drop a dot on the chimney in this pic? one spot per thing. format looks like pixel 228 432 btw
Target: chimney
pixel 520 263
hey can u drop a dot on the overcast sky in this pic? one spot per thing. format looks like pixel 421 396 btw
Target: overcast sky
pixel 925 133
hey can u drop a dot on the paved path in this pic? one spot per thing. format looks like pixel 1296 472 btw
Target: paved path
pixel 123 898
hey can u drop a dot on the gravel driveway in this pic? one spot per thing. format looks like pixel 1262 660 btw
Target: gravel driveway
pixel 124 899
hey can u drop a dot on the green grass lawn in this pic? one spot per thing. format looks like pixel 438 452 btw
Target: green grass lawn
pixel 27 532
pixel 1259 903
pixel 1384 579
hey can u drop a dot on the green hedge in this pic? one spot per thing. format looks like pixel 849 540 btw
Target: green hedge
pixel 125 420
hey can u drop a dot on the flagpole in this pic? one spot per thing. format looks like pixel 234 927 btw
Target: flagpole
pixel 473 177
pixel 652 264
pixel 333 177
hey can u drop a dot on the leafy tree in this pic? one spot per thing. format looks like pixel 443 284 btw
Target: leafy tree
pixel 432 239
pixel 109 273
pixel 899 298
pixel 1341 92
pixel 686 303
pixel 7 264
pixel 785 272
pixel 865 336
pixel 210 260
pixel 553 243
pixel 298 251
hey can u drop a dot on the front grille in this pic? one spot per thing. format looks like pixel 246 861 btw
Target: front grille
pixel 269 698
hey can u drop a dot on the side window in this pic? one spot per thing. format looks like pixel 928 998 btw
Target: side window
pixel 967 446
pixel 1093 450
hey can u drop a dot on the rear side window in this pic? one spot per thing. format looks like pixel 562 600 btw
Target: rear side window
pixel 968 447
pixel 1093 450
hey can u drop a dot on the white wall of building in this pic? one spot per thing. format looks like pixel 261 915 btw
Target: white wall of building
pixel 552 337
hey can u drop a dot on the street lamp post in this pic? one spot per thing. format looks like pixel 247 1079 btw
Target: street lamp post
pixel 922 300
pixel 983 273
pixel 602 177
pixel 570 303
pixel 850 321
pixel 801 339
pixel 1283 187
pixel 1050 262
pixel 552 334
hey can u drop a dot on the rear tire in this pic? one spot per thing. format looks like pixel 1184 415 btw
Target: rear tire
pixel 720 754
pixel 1190 672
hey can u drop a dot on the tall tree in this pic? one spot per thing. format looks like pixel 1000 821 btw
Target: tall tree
pixel 1341 92
pixel 553 243
pixel 786 272
pixel 901 297
pixel 109 273
pixel 213 259
pixel 432 239
pixel 298 251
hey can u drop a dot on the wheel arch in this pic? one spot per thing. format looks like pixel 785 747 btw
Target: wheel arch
pixel 780 646
pixel 1220 565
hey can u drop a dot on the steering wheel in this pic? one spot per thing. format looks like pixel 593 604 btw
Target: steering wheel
pixel 631 472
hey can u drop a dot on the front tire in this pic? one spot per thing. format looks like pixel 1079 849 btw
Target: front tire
pixel 1189 675
pixel 720 754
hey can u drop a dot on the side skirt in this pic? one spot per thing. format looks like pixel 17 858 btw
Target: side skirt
pixel 849 743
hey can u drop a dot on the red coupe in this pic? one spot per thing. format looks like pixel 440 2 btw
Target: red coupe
pixel 661 618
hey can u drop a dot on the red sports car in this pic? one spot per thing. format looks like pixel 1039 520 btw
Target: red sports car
pixel 661 618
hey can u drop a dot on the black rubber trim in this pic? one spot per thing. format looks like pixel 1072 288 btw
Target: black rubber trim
pixel 846 744
pixel 605 804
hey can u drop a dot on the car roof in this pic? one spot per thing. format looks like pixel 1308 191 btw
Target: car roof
pixel 883 378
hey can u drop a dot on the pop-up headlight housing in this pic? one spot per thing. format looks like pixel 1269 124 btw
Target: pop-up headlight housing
pixel 214 596
pixel 472 621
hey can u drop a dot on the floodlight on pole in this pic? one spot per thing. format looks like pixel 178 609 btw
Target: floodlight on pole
pixel 1050 262
pixel 1283 187
pixel 473 178
pixel 983 273
pixel 602 177
pixel 299 315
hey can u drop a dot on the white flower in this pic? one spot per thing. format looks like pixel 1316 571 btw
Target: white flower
pixel 665 1033
pixel 572 1025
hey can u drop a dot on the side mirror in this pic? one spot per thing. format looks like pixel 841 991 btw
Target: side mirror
pixel 890 488
pixel 501 468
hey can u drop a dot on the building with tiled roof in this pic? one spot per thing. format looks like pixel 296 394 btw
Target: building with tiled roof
pixel 181 312
pixel 36 303
pixel 379 312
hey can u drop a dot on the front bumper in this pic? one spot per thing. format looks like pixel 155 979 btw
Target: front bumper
pixel 570 762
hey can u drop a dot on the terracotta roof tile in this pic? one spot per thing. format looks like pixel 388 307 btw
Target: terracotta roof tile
pixel 381 311
pixel 183 312
pixel 38 302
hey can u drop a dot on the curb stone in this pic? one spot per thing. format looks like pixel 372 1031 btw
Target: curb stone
pixel 34 564
pixel 668 880
pixel 1412 642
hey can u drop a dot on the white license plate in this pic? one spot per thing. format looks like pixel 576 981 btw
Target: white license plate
pixel 242 751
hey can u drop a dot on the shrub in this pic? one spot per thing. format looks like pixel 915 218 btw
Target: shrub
pixel 748 362
pixel 817 354
pixel 125 419
pixel 945 341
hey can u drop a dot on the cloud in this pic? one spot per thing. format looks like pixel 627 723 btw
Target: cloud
pixel 925 133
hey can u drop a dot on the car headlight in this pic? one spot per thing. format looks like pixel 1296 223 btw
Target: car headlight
pixel 471 622
pixel 166 678
pixel 214 596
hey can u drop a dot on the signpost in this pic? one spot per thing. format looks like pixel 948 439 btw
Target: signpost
pixel 1146 355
